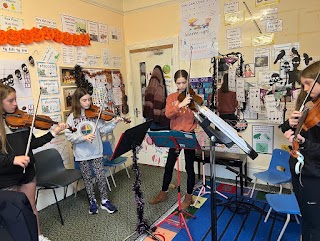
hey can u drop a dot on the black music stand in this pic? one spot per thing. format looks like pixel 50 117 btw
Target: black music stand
pixel 218 136
pixel 178 140
pixel 131 139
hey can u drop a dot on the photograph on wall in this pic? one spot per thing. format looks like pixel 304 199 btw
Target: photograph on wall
pixel 248 70
pixel 262 138
pixel 67 77
pixel 67 96
pixel 15 73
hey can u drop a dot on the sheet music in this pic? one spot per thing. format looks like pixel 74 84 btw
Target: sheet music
pixel 227 129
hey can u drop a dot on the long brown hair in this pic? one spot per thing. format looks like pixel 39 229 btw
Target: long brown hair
pixel 311 71
pixel 75 102
pixel 5 90
pixel 225 84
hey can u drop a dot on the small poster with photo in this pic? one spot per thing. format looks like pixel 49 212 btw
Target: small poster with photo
pixel 67 96
pixel 67 77
pixel 248 70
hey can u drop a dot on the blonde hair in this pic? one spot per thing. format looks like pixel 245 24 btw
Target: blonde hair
pixel 5 90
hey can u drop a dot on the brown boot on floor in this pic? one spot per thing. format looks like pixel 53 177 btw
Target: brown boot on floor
pixel 187 201
pixel 160 197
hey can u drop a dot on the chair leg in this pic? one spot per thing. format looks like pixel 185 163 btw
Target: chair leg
pixel 126 170
pixel 37 195
pixel 254 186
pixel 76 191
pixel 268 214
pixel 298 222
pixel 109 187
pixel 55 196
pixel 65 192
pixel 284 227
pixel 280 189
pixel 114 182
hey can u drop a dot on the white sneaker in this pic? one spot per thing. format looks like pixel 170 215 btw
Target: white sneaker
pixel 43 238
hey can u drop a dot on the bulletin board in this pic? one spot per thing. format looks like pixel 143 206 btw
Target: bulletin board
pixel 108 86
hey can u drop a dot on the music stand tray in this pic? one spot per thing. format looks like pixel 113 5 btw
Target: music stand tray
pixel 178 140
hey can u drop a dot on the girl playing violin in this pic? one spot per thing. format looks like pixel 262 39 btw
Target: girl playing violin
pixel 181 119
pixel 87 147
pixel 306 178
pixel 13 160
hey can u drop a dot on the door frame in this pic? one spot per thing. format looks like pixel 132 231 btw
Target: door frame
pixel 144 47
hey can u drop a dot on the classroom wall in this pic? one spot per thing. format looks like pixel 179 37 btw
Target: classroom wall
pixel 52 10
pixel 301 23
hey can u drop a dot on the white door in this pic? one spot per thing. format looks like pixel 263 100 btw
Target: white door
pixel 142 64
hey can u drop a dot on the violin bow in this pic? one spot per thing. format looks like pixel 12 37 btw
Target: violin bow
pixel 188 80
pixel 100 112
pixel 31 127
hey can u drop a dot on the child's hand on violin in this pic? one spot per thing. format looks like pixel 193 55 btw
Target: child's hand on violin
pixel 294 118
pixel 22 161
pixel 186 101
pixel 117 119
pixel 289 134
pixel 89 137
pixel 60 127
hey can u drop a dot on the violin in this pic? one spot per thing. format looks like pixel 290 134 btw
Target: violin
pixel 310 117
pixel 195 98
pixel 94 111
pixel 21 119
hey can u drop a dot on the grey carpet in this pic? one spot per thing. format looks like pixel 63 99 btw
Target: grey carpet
pixel 81 226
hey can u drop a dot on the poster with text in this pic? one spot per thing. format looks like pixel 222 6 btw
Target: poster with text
pixel 72 24
pixel 262 138
pixel 199 29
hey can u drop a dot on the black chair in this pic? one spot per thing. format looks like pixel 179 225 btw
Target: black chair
pixel 52 174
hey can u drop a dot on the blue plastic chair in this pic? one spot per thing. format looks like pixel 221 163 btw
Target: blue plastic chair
pixel 77 166
pixel 283 203
pixel 278 171
pixel 107 153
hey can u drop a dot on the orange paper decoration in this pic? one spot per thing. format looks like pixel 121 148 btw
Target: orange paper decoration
pixel 3 37
pixel 25 36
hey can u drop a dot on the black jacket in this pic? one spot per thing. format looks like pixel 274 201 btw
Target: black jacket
pixel 17 220
pixel 310 149
pixel 16 146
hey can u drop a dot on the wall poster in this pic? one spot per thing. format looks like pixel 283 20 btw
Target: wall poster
pixel 262 138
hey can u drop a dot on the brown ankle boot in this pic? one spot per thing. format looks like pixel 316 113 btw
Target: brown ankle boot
pixel 187 201
pixel 160 197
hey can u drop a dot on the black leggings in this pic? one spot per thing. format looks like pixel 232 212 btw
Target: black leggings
pixel 189 156
pixel 308 198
